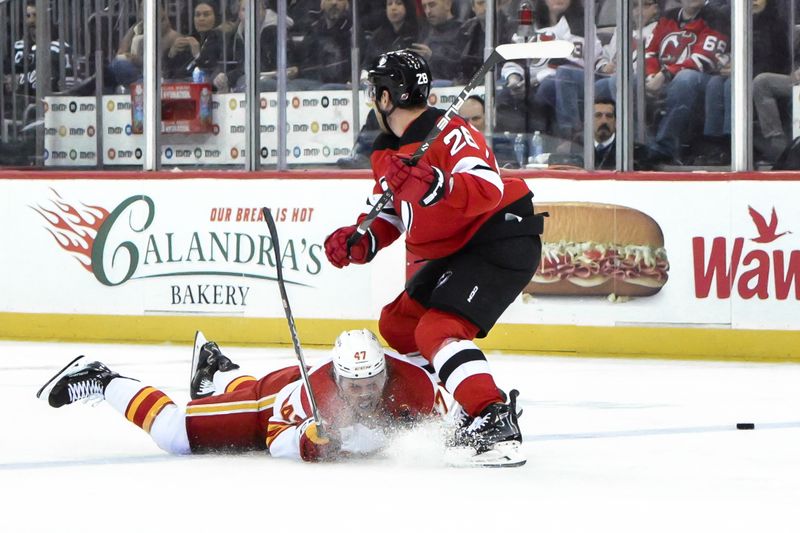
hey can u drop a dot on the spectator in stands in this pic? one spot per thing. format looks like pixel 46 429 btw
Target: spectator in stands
pixel 202 49
pixel 398 30
pixel 555 85
pixel 770 55
pixel 474 111
pixel 605 130
pixel 463 10
pixel 234 78
pixel 126 67
pixel 231 18
pixel 21 82
pixel 24 60
pixel 510 9
pixel 327 46
pixel 686 48
pixel 303 13
pixel 789 158
pixel 362 150
pixel 440 42
pixel 372 14
pixel 644 13
pixel 771 94
pixel 473 35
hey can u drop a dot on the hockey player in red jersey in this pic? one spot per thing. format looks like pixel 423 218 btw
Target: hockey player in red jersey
pixel 362 391
pixel 687 46
pixel 476 229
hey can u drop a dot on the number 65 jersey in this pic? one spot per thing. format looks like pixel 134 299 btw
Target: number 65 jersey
pixel 474 190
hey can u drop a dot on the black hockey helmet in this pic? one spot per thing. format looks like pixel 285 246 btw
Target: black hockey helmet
pixel 405 74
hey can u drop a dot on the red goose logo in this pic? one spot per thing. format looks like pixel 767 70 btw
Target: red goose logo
pixel 757 272
pixel 766 232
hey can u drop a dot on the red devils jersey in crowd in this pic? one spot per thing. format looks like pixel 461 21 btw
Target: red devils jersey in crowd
pixel 474 189
pixel 409 395
pixel 695 44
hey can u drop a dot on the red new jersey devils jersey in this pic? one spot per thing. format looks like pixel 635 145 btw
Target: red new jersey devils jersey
pixel 695 44
pixel 474 188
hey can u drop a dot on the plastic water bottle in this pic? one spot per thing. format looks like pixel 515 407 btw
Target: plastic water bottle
pixel 205 112
pixel 537 147
pixel 519 149
pixel 198 76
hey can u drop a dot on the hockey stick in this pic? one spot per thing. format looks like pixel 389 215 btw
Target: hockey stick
pixel 273 234
pixel 504 52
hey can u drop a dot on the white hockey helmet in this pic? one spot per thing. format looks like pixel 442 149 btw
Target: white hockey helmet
pixel 358 354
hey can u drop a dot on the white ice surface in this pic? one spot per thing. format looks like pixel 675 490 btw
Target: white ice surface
pixel 612 445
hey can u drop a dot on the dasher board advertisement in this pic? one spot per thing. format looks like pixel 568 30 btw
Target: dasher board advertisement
pixel 319 130
pixel 673 253
pixel 185 247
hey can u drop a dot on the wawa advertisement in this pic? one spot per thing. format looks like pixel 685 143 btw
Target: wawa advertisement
pixel 700 253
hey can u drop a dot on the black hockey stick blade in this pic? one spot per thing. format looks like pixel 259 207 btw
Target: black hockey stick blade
pixel 276 247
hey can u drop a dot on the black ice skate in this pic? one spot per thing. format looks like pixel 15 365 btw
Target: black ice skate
pixel 207 359
pixel 492 439
pixel 79 380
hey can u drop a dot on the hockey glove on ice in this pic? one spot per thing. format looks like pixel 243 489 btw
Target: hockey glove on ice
pixel 420 183
pixel 316 447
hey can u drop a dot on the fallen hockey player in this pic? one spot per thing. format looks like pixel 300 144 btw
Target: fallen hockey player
pixel 363 395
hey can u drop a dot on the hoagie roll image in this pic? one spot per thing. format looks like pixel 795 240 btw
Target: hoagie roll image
pixel 599 249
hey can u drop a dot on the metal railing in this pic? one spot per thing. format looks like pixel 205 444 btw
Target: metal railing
pixel 83 37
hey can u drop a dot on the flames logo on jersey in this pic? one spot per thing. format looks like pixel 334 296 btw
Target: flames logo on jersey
pixel 676 47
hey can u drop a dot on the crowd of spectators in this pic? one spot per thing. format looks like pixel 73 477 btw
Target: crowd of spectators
pixel 686 79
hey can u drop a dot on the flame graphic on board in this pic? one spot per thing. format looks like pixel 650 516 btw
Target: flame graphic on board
pixel 73 228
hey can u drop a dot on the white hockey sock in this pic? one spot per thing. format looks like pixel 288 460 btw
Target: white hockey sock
pixel 169 430
pixel 120 391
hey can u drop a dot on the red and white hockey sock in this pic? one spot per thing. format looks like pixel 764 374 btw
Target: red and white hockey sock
pixel 140 404
pixel 230 381
pixel 151 410
pixel 465 372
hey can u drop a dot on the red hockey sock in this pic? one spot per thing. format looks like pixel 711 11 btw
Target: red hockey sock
pixel 445 340
pixel 476 393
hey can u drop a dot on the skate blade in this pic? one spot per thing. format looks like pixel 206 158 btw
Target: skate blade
pixel 44 392
pixel 199 341
pixel 502 455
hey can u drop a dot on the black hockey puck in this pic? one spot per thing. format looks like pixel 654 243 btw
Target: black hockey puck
pixel 745 425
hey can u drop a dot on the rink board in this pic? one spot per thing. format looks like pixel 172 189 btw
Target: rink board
pixel 152 257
